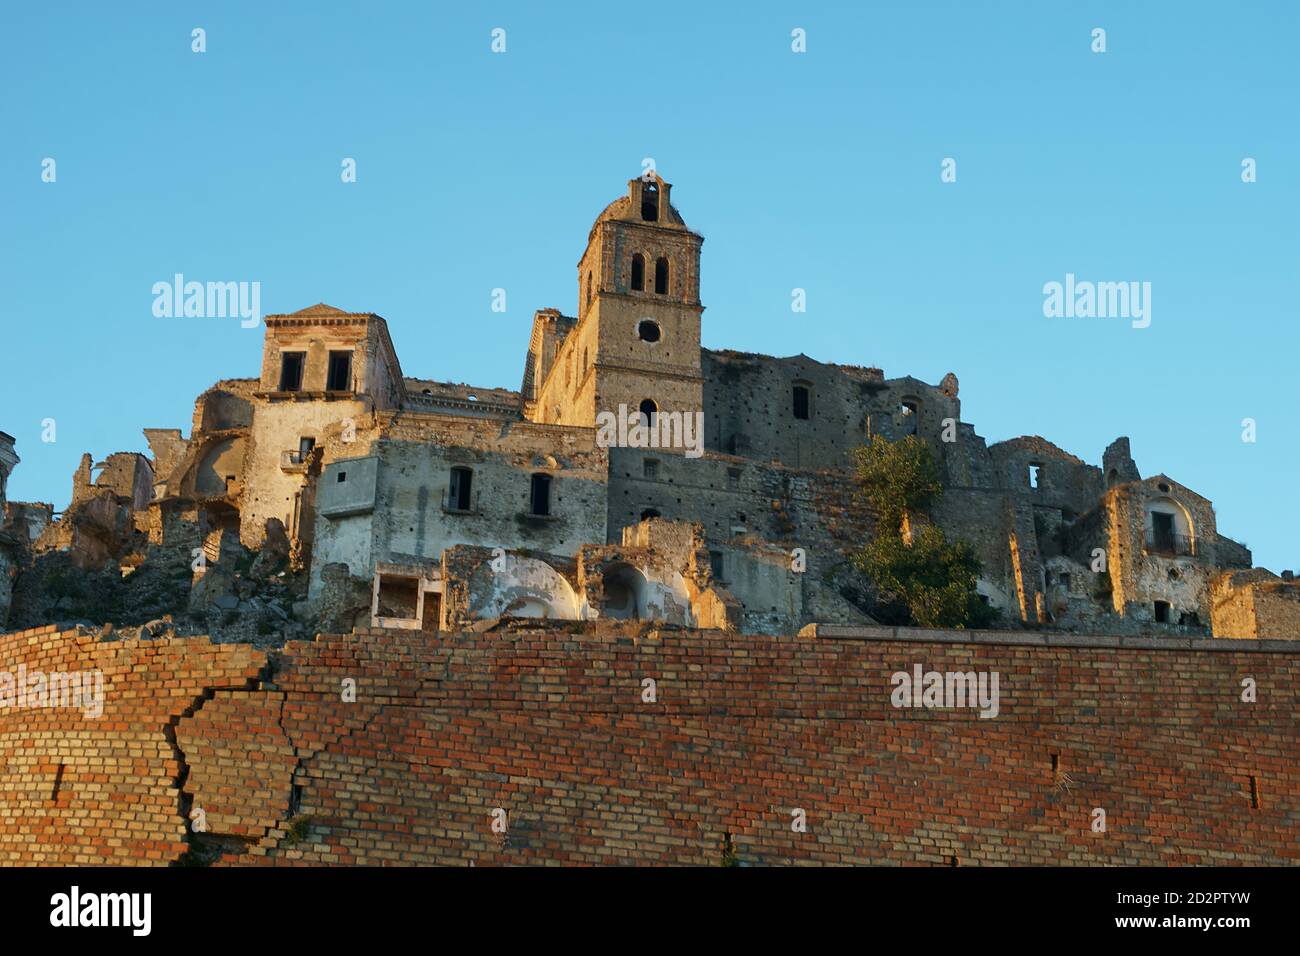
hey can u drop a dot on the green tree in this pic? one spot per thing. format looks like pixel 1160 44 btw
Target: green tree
pixel 932 578
pixel 897 477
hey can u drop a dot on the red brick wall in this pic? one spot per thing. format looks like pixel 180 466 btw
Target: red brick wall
pixel 552 728
pixel 117 801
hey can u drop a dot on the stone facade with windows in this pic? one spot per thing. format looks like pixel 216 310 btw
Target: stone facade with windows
pixel 722 492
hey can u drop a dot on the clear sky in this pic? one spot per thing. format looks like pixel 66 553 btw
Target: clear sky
pixel 818 170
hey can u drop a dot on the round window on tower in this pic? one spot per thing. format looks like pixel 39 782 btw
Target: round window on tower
pixel 648 330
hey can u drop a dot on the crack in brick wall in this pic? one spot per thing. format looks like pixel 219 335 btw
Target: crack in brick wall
pixel 551 727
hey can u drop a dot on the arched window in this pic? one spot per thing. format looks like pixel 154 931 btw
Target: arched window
pixel 1169 529
pixel 648 411
pixel 539 495
pixel 638 272
pixel 909 412
pixel 661 276
pixel 589 289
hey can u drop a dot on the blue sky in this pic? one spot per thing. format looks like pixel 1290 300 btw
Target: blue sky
pixel 817 170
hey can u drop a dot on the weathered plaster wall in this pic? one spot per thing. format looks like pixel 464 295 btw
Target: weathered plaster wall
pixel 417 453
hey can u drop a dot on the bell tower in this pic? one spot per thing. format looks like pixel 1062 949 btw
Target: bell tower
pixel 639 306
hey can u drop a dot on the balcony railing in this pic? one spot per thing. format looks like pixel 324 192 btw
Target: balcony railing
pixel 1168 543
pixel 292 460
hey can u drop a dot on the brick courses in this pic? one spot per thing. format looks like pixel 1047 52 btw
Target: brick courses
pixel 551 727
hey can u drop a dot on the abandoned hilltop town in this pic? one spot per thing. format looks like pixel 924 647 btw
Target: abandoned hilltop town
pixel 430 505
pixel 630 650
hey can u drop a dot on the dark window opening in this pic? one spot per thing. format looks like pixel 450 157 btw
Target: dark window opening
pixel 661 276
pixel 343 476
pixel 650 468
pixel 638 272
pixel 801 401
pixel 648 410
pixel 305 446
pixel 911 415
pixel 650 202
pixel 291 371
pixel 539 499
pixel 340 372
pixel 733 477
pixel 1162 530
pixel 1162 612
pixel 458 494
pixel 1191 618
pixel 648 330
pixel 650 513
pixel 1065 580
pixel 716 565
pixel 589 290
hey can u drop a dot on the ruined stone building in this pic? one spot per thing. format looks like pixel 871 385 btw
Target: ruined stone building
pixel 721 496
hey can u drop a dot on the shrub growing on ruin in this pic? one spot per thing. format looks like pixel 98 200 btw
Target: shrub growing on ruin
pixel 931 577
pixel 897 477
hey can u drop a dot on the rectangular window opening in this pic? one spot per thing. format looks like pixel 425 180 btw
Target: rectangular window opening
pixel 291 364
pixel 539 499
pixel 340 372
pixel 459 492
pixel 801 404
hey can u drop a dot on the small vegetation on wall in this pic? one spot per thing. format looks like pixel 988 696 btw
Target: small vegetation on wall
pixel 897 477
pixel 927 580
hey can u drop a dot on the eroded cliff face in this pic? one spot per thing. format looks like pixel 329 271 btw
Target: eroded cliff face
pixel 625 743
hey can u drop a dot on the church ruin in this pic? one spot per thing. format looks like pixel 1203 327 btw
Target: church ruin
pixel 431 505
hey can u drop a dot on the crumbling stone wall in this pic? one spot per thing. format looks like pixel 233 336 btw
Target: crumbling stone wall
pixel 1140 573
pixel 413 517
pixel 1256 604
pixel 749 409
pixel 555 729
pixel 776 475
pixel 273 481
